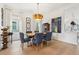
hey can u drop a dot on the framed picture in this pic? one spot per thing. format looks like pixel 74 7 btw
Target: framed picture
pixel 28 24
pixel 56 25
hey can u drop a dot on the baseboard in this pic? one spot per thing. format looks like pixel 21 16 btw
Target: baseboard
pixel 65 42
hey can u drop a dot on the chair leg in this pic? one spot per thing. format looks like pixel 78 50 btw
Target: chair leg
pixel 22 45
pixel 42 45
pixel 27 44
pixel 50 42
pixel 33 46
pixel 47 43
pixel 37 47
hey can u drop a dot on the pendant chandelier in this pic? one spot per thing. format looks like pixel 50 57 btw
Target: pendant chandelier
pixel 37 16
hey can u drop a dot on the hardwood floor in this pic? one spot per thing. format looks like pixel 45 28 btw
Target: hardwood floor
pixel 55 48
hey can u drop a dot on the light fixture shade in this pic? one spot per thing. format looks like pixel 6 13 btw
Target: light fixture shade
pixel 38 16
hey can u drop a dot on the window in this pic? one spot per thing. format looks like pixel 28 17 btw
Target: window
pixel 14 26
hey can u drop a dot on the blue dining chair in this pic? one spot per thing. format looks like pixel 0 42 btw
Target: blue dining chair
pixel 37 40
pixel 23 40
pixel 47 37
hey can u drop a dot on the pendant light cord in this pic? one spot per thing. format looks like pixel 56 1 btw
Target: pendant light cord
pixel 38 8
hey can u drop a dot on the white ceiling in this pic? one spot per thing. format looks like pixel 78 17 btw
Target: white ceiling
pixel 32 7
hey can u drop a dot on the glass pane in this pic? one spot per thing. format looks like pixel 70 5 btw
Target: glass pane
pixel 14 26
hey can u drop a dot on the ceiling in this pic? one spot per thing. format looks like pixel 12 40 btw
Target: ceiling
pixel 32 7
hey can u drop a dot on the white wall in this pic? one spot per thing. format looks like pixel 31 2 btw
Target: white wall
pixel 10 14
pixel 68 14
pixel 0 19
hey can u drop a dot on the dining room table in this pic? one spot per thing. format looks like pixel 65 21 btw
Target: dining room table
pixel 31 36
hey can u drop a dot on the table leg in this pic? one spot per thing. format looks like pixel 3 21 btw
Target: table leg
pixel 11 39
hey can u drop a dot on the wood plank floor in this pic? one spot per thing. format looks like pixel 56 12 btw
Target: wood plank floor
pixel 55 48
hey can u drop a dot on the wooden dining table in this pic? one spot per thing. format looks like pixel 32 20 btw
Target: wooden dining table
pixel 30 35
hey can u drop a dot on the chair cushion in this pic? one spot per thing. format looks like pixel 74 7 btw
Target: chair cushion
pixel 48 36
pixel 35 42
pixel 27 39
pixel 25 36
